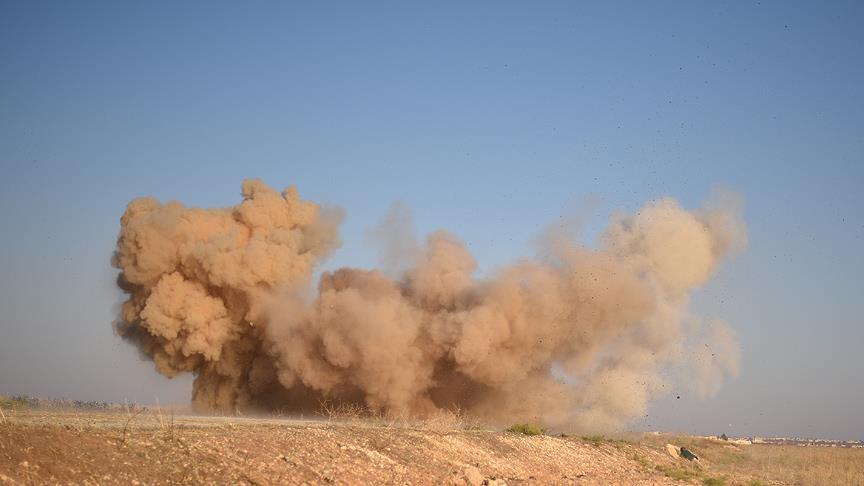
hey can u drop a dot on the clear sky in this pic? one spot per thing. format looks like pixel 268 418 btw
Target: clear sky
pixel 490 120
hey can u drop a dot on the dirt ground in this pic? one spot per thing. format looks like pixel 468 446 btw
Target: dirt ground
pixel 44 447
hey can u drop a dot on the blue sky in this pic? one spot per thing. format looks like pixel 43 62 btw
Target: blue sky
pixel 491 120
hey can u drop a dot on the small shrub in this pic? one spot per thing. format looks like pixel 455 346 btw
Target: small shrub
pixel 594 439
pixel 344 411
pixel 447 420
pixel 526 429
pixel 714 482
pixel 14 402
pixel 677 474
pixel 642 461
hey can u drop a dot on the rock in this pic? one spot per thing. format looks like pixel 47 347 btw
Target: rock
pixel 473 476
pixel 672 450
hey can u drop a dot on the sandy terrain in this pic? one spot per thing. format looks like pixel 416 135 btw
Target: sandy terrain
pixel 116 446
pixel 153 448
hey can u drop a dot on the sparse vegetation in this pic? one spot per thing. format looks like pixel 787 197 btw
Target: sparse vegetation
pixel 642 461
pixel 130 417
pixel 799 465
pixel 24 401
pixel 358 414
pixel 526 429
pixel 112 449
pixel 683 473
pixel 762 464
pixel 13 403
pixel 453 419
pixel 594 439
pixel 227 447
pixel 678 474
pixel 344 411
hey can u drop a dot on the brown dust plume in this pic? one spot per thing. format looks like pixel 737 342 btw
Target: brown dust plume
pixel 578 338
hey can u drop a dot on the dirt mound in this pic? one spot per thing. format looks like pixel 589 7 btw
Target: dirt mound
pixel 106 448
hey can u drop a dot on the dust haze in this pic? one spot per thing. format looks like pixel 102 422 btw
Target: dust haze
pixel 578 337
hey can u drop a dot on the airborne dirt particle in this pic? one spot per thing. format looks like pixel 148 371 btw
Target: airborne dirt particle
pixel 580 337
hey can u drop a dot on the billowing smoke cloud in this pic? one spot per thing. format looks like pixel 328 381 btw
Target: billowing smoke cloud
pixel 578 338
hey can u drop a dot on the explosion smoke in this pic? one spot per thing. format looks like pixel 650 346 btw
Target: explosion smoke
pixel 581 338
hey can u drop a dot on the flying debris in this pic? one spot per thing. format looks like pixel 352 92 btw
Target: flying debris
pixel 582 337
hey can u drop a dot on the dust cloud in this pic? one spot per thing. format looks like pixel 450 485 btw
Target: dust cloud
pixel 575 338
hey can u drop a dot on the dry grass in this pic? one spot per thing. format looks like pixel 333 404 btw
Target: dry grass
pixel 40 447
pixel 594 439
pixel 720 462
pixel 798 465
pixel 526 429
pixel 447 420
pixel 361 415
pixel 15 403
pixel 344 411
pixel 767 464
pixel 679 471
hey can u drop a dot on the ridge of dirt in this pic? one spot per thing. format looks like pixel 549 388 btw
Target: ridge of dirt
pixel 117 448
